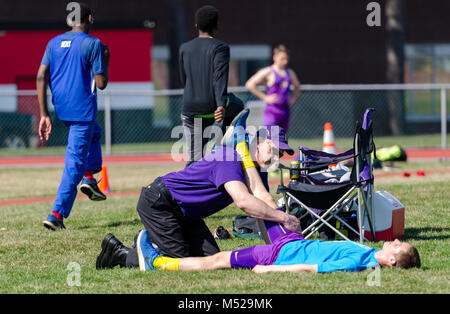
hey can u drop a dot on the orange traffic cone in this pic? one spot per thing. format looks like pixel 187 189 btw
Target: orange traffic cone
pixel 328 139
pixel 103 183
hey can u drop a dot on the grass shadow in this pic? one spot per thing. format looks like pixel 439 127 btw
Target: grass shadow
pixel 426 233
pixel 134 222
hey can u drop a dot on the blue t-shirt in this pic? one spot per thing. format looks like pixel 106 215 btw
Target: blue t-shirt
pixel 329 256
pixel 73 59
pixel 91 51
pixel 199 189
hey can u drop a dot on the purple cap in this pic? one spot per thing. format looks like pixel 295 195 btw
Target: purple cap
pixel 278 137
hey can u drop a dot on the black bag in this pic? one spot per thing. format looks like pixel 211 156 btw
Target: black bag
pixel 246 227
pixel 221 233
pixel 325 233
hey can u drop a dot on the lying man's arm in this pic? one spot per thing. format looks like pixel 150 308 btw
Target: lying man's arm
pixel 297 268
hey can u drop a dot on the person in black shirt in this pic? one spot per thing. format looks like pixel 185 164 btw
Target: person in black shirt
pixel 204 63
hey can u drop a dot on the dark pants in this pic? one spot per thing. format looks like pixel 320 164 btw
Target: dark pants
pixel 196 138
pixel 168 228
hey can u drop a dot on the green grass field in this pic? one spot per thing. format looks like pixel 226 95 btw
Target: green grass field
pixel 36 260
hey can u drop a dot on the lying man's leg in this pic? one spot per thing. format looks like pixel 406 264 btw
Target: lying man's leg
pixel 276 230
pixel 237 138
pixel 273 231
pixel 148 258
pixel 219 260
pixel 244 258
pixel 151 258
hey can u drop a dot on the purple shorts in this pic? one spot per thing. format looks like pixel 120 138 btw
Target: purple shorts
pixel 264 254
pixel 277 115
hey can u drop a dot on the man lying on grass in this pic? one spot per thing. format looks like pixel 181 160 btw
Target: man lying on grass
pixel 288 252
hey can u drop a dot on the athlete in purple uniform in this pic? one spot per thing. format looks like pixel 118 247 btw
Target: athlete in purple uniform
pixel 278 79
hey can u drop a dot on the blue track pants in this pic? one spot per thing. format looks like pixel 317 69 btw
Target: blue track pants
pixel 83 153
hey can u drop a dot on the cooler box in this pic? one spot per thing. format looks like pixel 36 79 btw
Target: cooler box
pixel 389 217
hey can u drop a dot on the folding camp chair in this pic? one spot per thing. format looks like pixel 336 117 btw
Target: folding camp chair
pixel 324 200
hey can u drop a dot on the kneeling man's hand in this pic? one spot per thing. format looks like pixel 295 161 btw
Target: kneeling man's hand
pixel 292 224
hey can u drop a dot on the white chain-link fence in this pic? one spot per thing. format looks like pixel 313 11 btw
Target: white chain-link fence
pixel 149 116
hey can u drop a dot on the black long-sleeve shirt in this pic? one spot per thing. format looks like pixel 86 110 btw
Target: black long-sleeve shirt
pixel 204 64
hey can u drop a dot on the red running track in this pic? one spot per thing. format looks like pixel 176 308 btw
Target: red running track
pixel 128 193
pixel 52 198
pixel 43 161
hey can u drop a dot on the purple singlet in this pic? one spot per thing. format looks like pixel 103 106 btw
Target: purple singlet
pixel 278 112
pixel 281 88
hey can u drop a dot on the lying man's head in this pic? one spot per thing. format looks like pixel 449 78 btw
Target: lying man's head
pixel 399 254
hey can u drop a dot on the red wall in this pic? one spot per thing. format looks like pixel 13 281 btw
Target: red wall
pixel 21 53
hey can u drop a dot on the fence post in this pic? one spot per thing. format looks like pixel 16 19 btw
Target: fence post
pixel 108 124
pixel 443 118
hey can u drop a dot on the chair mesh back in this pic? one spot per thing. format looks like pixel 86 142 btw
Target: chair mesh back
pixel 318 196
pixel 363 148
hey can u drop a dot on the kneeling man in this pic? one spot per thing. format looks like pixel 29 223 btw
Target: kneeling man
pixel 172 208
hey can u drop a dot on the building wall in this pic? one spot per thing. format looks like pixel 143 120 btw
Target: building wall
pixel 329 40
pixel 427 21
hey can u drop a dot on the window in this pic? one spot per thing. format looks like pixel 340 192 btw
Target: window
pixel 426 63
pixel 245 60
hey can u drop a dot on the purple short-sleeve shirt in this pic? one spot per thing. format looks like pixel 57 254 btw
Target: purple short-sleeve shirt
pixel 199 189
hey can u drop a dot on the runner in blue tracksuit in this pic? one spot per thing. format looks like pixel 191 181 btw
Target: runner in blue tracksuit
pixel 73 66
